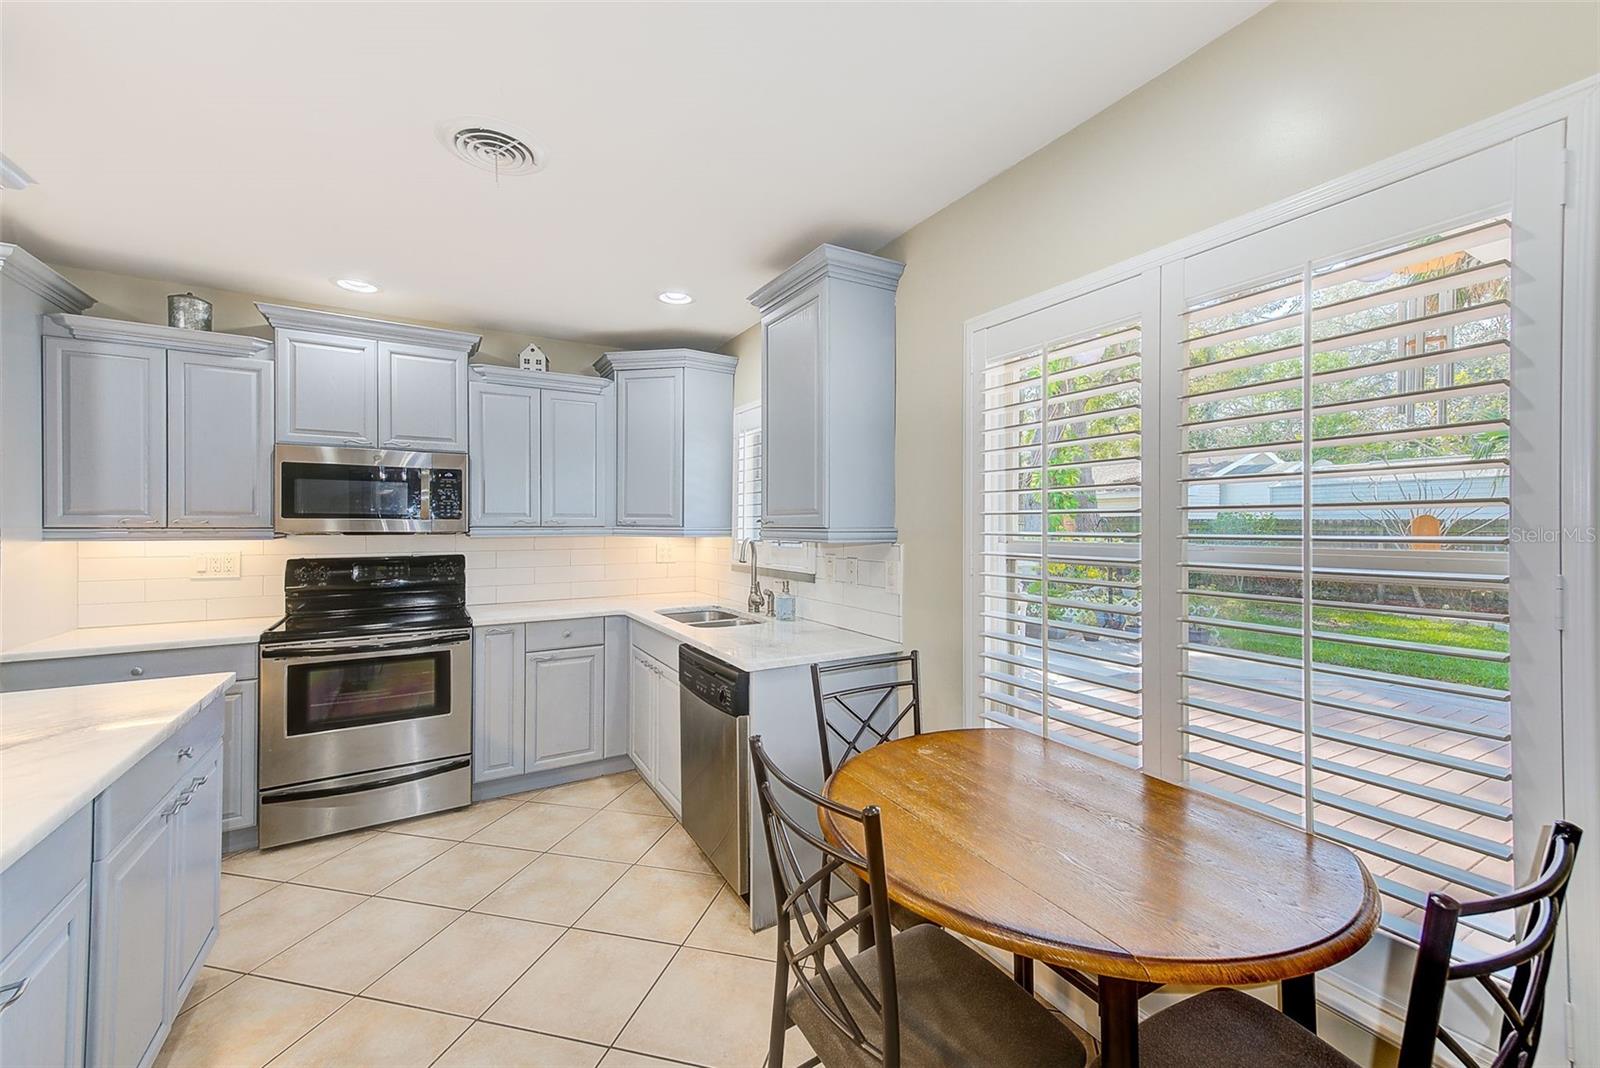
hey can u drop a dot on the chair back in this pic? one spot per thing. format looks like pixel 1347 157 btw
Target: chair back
pixel 812 928
pixel 1521 1000
pixel 854 730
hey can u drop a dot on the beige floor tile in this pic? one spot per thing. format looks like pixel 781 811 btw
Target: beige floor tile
pixel 553 889
pixel 286 862
pixel 209 981
pixel 641 799
pixel 585 793
pixel 236 890
pixel 726 928
pixel 487 1044
pixel 469 964
pixel 459 824
pixel 375 1033
pixel 259 930
pixel 355 949
pixel 247 1024
pixel 533 826
pixel 677 850
pixel 796 1050
pixel 708 1008
pixel 652 903
pixel 374 864
pixel 621 1058
pixel 584 987
pixel 620 836
pixel 461 877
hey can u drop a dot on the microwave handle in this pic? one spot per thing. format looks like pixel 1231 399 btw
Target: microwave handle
pixel 425 508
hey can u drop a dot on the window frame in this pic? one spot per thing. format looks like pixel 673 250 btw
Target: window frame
pixel 1371 987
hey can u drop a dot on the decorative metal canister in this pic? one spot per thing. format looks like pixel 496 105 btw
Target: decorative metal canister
pixel 188 312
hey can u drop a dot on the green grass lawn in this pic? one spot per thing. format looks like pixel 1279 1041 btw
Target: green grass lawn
pixel 1376 625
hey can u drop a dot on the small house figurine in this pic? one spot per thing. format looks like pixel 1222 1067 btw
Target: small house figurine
pixel 533 358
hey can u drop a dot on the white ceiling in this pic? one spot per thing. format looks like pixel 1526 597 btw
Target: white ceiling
pixel 270 148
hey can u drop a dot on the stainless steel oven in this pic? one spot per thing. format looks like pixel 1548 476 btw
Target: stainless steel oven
pixel 370 491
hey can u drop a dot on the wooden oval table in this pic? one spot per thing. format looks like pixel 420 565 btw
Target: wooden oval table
pixel 1097 869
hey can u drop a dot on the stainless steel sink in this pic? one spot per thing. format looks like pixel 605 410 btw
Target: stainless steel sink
pixel 708 617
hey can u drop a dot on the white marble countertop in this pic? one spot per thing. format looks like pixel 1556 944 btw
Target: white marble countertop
pixel 759 647
pixel 60 748
pixel 99 641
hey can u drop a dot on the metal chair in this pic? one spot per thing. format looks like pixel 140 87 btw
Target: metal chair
pixel 917 998
pixel 1229 1029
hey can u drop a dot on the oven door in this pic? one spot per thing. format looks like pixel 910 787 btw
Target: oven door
pixel 351 706
pixel 368 491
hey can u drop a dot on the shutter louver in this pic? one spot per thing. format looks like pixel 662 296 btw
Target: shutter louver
pixel 1345 469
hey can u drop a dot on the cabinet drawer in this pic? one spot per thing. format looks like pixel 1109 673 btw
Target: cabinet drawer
pixel 41 878
pixel 662 647
pixel 242 660
pixel 566 634
pixel 126 802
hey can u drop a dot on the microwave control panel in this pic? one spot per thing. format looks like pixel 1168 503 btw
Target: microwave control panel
pixel 445 496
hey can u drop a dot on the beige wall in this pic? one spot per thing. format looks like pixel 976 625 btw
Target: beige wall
pixel 126 296
pixel 1297 95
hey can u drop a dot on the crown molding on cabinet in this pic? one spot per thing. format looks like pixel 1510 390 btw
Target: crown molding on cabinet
pixel 94 328
pixel 613 362
pixel 834 262
pixel 282 317
pixel 515 376
pixel 37 277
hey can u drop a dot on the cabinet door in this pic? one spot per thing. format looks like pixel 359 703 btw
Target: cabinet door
pixel 498 728
pixel 572 459
pixel 196 873
pixel 105 434
pixel 566 707
pixel 794 492
pixel 240 708
pixel 503 456
pixel 219 448
pixel 327 389
pixel 650 448
pixel 422 397
pixel 641 713
pixel 130 897
pixel 669 747
pixel 44 988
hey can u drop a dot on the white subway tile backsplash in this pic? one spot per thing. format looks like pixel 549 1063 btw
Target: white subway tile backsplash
pixel 121 591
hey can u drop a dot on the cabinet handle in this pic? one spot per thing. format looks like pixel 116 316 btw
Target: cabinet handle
pixel 186 753
pixel 12 991
pixel 136 672
pixel 201 781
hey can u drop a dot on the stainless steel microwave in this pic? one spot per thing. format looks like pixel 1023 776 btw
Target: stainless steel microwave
pixel 370 491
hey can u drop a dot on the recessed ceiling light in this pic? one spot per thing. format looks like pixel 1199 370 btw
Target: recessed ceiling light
pixel 355 285
pixel 672 296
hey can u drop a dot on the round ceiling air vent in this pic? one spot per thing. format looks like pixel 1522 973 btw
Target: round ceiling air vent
pixel 502 150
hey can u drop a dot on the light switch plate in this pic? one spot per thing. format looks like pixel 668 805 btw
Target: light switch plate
pixel 844 569
pixel 217 565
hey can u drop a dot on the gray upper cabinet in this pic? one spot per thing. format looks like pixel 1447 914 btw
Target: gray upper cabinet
pixel 674 440
pixel 828 398
pixel 345 380
pixel 219 441
pixel 327 389
pixel 152 428
pixel 422 397
pixel 540 451
pixel 105 427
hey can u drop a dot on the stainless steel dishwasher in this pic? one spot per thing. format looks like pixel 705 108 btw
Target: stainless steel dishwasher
pixel 714 703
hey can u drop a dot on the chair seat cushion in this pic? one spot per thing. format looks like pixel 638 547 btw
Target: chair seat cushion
pixel 1230 1029
pixel 956 1008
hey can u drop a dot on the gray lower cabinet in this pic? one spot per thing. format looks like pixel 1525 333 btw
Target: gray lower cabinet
pixel 565 693
pixel 219 441
pixel 44 950
pixel 148 427
pixel 497 703
pixel 669 744
pixel 654 728
pixel 241 710
pixel 641 712
pixel 196 873
pixel 105 434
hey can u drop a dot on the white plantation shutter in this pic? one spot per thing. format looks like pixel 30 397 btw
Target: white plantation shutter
pixel 747 483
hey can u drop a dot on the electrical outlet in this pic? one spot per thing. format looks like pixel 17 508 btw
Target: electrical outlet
pixel 872 574
pixel 844 570
pixel 666 550
pixel 217 565
pixel 891 578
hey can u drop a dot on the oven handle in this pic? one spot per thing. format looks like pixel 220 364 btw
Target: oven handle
pixel 341 647
pixel 313 793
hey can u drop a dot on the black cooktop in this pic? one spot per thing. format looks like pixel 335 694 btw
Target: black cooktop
pixel 357 596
